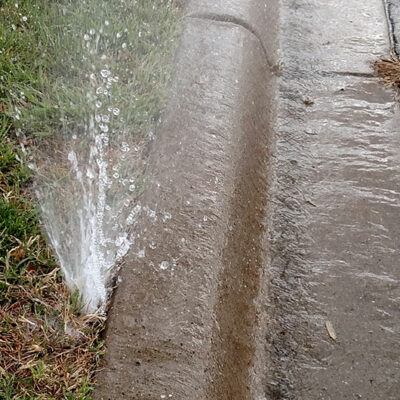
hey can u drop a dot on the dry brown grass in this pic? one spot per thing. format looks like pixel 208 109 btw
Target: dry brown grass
pixel 48 350
pixel 389 70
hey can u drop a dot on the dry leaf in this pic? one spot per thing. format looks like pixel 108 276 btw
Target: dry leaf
pixel 37 348
pixel 330 330
pixel 308 102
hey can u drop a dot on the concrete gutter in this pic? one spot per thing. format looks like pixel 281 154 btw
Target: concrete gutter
pixel 392 9
pixel 186 318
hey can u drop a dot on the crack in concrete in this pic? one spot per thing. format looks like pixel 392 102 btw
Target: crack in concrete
pixel 369 75
pixel 230 19
pixel 350 73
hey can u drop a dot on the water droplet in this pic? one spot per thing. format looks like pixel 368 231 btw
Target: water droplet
pixel 105 118
pixel 152 214
pixel 99 90
pixel 104 128
pixel 92 76
pixel 132 188
pixel 116 176
pixel 116 111
pixel 72 159
pixel 89 173
pixel 105 73
pixel 125 147
pixel 164 265
pixel 98 104
pixel 167 216
pixel 120 240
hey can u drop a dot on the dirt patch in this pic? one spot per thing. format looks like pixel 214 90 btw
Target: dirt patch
pixel 389 70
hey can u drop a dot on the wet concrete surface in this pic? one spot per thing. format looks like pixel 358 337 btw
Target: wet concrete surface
pixel 260 18
pixel 336 226
pixel 270 209
pixel 183 318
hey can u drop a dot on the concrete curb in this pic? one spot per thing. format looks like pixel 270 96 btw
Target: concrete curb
pixel 260 18
pixel 184 319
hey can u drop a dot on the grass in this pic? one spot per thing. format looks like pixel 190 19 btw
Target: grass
pixel 389 71
pixel 48 349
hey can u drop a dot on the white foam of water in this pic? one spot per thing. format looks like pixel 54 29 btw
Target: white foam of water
pixel 89 215
pixel 86 245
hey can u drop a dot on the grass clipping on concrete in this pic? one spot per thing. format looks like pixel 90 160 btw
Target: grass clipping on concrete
pixel 48 349
pixel 389 70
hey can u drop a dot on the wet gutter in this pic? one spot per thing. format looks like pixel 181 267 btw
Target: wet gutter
pixel 187 320
pixel 392 9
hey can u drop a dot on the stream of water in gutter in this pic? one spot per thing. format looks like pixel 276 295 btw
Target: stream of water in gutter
pixel 335 270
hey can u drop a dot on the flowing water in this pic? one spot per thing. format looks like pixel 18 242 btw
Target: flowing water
pixel 333 330
pixel 336 277
pixel 108 80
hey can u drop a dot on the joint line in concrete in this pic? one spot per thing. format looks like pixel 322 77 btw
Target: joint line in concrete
pixel 237 22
